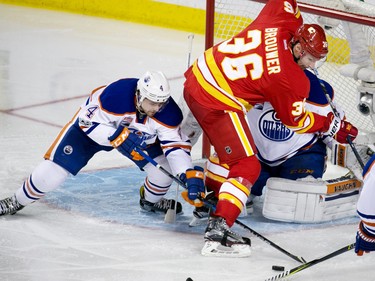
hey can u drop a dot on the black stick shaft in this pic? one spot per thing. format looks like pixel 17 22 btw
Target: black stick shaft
pixel 260 236
pixel 299 259
pixel 311 263
pixel 350 142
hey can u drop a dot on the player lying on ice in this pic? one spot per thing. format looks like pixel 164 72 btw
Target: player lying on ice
pixel 126 114
pixel 263 63
pixel 296 163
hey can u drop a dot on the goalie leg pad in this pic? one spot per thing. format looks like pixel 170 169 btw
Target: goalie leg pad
pixel 310 201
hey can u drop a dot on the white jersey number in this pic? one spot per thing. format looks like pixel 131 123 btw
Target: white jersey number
pixel 235 68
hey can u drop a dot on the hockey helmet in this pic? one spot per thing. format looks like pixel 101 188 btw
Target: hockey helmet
pixel 312 39
pixel 154 86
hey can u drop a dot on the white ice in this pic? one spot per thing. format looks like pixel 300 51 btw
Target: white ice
pixel 50 61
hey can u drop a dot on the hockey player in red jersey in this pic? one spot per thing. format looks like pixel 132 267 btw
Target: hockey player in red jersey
pixel 126 114
pixel 365 239
pixel 264 62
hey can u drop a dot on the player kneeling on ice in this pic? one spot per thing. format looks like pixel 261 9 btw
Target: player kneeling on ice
pixel 365 238
pixel 127 114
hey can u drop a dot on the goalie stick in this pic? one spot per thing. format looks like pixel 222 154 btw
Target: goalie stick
pixel 355 151
pixel 311 263
pixel 178 181
pixel 336 113
pixel 333 107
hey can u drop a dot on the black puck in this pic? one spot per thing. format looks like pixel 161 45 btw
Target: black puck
pixel 189 279
pixel 278 268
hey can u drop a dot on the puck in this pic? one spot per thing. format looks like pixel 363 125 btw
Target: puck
pixel 278 268
pixel 189 279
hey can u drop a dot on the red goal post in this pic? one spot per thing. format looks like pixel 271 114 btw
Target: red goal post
pixel 224 18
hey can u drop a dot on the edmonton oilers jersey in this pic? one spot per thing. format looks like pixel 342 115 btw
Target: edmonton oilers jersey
pixel 275 142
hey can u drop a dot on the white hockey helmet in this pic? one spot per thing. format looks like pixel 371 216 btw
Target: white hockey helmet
pixel 153 86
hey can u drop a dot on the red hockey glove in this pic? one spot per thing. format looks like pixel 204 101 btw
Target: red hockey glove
pixel 339 129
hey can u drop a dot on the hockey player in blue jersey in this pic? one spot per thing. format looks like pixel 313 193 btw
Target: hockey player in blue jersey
pixel 127 114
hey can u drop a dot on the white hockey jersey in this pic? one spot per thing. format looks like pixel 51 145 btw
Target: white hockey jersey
pixel 365 205
pixel 109 106
pixel 276 142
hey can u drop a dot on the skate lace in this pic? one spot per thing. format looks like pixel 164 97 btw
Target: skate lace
pixel 10 205
pixel 163 204
pixel 220 227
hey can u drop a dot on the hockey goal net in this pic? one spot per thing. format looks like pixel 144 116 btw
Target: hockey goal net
pixel 227 17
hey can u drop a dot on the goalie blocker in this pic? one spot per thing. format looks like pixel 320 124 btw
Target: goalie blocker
pixel 310 200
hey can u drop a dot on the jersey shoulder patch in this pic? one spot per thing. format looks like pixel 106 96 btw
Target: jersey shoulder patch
pixel 118 97
pixel 317 94
pixel 171 115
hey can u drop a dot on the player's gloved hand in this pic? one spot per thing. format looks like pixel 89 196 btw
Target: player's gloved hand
pixel 365 241
pixel 194 179
pixel 339 129
pixel 126 141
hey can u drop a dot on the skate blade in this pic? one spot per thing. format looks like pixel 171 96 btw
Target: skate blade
pixel 198 221
pixel 215 249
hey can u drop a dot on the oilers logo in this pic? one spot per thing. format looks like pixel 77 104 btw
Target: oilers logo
pixel 272 128
pixel 68 149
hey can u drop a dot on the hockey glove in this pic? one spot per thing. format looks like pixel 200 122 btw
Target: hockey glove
pixel 126 141
pixel 365 241
pixel 194 185
pixel 339 129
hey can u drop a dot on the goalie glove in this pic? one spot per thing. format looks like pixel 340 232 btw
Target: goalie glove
pixel 339 129
pixel 125 142
pixel 365 241
pixel 342 155
pixel 193 178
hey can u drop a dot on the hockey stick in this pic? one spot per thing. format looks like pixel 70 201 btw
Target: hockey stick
pixel 355 151
pixel 333 107
pixel 153 162
pixel 269 242
pixel 190 47
pixel 311 263
pixel 208 204
pixel 261 237
pixel 336 113
pixel 170 216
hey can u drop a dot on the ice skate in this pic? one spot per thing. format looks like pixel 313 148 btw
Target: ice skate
pixel 220 241
pixel 161 206
pixel 200 216
pixel 10 206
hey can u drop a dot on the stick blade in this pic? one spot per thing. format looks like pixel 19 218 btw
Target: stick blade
pixel 170 216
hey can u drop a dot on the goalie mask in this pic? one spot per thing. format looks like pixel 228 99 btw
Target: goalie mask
pixel 154 86
pixel 312 39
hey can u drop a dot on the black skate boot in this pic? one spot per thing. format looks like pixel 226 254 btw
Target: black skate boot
pixel 10 206
pixel 162 206
pixel 221 241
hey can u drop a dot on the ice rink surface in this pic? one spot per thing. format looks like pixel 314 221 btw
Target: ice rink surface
pixel 91 228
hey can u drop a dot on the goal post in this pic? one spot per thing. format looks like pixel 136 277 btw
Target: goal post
pixel 225 18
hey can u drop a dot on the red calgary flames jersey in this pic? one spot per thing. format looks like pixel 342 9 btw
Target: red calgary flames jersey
pixel 255 66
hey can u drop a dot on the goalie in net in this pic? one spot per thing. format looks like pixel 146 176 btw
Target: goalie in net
pixel 292 167
pixel 262 63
